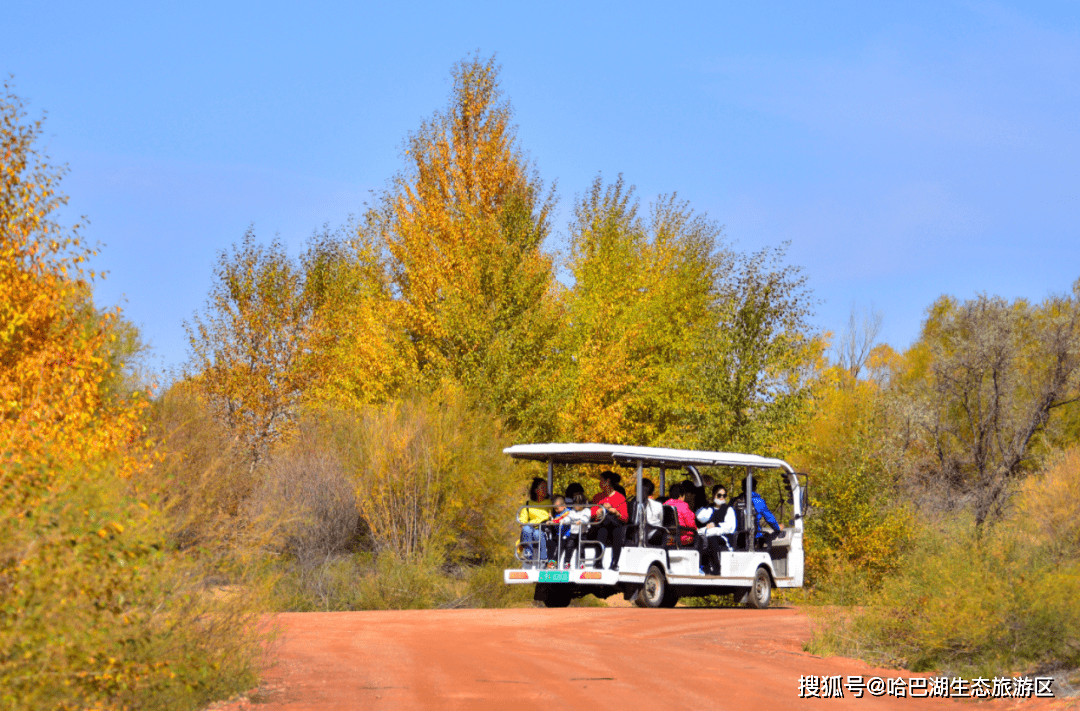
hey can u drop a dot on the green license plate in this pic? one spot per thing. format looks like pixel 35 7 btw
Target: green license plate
pixel 554 576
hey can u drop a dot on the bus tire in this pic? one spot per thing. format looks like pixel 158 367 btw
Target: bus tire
pixel 761 593
pixel 653 590
pixel 558 596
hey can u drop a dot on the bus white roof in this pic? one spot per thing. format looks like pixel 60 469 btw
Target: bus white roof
pixel 577 453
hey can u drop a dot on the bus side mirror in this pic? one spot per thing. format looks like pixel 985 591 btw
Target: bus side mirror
pixel 804 496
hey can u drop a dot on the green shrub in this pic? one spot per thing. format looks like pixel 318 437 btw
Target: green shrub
pixel 430 477
pixel 361 582
pixel 98 611
pixel 968 601
pixel 485 587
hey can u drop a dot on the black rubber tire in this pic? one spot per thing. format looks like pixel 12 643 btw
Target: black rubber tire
pixel 671 598
pixel 761 592
pixel 558 596
pixel 654 590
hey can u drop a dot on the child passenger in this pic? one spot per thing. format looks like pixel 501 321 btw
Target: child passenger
pixel 578 518
pixel 560 532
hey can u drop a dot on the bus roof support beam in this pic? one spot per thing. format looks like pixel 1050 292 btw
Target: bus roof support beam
pixel 551 477
pixel 751 520
pixel 640 474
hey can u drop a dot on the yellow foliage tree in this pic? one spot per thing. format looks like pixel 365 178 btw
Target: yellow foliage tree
pixel 675 339
pixel 251 351
pixel 56 370
pixel 641 288
pixel 90 613
pixel 431 479
pixel 856 520
pixel 360 355
pixel 463 228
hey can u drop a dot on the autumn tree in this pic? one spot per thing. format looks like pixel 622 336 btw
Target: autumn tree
pixel 980 387
pixel 250 350
pixel 93 613
pixel 857 341
pixel 463 226
pixel 58 352
pixel 361 355
pixel 641 288
pixel 675 338
pixel 857 525
pixel 750 368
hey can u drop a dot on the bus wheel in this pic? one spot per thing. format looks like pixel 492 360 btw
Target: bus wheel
pixel 557 596
pixel 653 592
pixel 761 593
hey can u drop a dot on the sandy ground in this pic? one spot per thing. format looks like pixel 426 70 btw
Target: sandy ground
pixel 577 658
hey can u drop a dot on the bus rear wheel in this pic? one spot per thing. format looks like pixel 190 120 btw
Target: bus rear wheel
pixel 671 598
pixel 553 595
pixel 653 590
pixel 761 592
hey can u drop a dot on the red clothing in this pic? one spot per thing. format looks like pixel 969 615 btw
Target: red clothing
pixel 686 519
pixel 615 499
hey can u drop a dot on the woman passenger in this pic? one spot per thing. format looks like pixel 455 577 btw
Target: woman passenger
pixel 531 517
pixel 683 514
pixel 717 523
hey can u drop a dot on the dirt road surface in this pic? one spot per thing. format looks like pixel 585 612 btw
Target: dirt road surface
pixel 576 658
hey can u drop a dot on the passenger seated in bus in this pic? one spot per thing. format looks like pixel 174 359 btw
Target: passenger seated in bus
pixel 577 518
pixel 559 530
pixel 613 525
pixel 717 524
pixel 690 496
pixel 573 490
pixel 718 519
pixel 698 492
pixel 683 514
pixel 654 514
pixel 531 517
pixel 761 513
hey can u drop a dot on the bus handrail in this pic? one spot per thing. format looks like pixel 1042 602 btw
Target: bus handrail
pixel 582 543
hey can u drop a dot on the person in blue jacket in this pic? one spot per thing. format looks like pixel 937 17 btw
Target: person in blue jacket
pixel 762 513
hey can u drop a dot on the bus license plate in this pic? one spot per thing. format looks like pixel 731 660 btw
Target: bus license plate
pixel 554 576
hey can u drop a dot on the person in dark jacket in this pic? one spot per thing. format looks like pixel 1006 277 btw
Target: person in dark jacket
pixel 761 513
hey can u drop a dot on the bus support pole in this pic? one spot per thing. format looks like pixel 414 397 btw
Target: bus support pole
pixel 751 519
pixel 551 477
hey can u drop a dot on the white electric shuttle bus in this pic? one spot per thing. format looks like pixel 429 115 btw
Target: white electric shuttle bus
pixel 657 574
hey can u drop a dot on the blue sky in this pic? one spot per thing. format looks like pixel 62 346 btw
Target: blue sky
pixel 905 151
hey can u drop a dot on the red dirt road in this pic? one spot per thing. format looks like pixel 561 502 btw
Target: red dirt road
pixel 595 658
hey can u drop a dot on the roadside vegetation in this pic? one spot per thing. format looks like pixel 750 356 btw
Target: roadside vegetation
pixel 100 606
pixel 978 603
pixel 946 494
pixel 334 440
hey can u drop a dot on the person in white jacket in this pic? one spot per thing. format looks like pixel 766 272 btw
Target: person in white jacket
pixel 578 519
pixel 717 526
pixel 654 514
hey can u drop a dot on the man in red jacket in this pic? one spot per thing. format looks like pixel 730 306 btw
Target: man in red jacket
pixel 613 527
